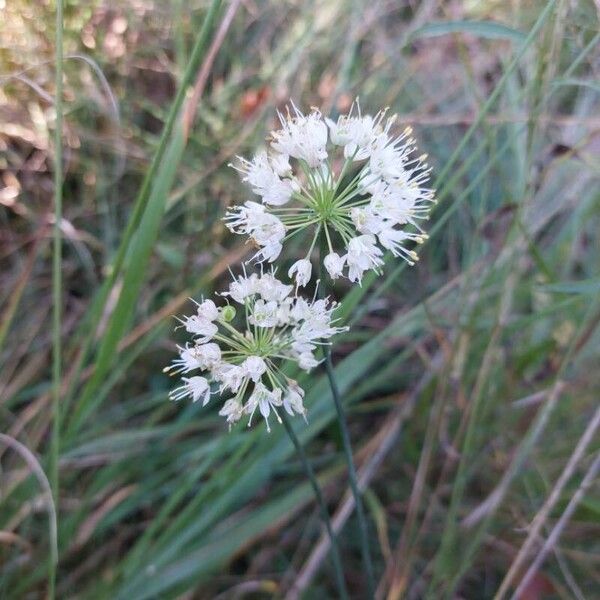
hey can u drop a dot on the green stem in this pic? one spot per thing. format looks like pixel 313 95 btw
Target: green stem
pixel 335 392
pixel 335 554
pixel 56 288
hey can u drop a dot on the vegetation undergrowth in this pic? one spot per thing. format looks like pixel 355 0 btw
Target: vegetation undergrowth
pixel 468 382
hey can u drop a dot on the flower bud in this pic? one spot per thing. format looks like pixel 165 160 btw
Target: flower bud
pixel 228 313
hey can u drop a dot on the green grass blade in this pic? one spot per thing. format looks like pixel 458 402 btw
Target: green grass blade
pixel 57 288
pixel 142 229
pixel 586 286
pixel 484 29
pixel 141 248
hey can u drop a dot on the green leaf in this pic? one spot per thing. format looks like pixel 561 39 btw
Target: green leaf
pixel 486 29
pixel 585 286
pixel 593 85
pixel 137 262
pixel 221 546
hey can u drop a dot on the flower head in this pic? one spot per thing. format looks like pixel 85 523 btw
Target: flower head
pixel 244 355
pixel 344 181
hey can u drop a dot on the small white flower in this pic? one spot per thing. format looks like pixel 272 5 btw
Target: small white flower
pixel 303 137
pixel 264 228
pixel 315 329
pixel 196 387
pixel 302 310
pixel 363 254
pixel 307 361
pixel 199 326
pixel 187 361
pixel 264 314
pixel 356 134
pixel 364 248
pixel 231 376
pixel 271 288
pixel 267 230
pixel 293 400
pixel 269 252
pixel 243 287
pixel 394 239
pixel 279 193
pixel 243 219
pixel 284 311
pixel 207 310
pixel 385 162
pixel 389 157
pixel 264 179
pixel 366 220
pixel 402 204
pixel 254 367
pixel 302 345
pixel 334 263
pixel 208 355
pixel 302 269
pixel 264 399
pixel 281 164
pixel 232 410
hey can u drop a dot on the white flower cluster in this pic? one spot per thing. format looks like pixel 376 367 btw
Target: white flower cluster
pixel 351 184
pixel 277 327
pixel 350 181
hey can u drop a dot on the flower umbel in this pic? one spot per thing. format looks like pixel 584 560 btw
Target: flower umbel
pixel 351 181
pixel 241 352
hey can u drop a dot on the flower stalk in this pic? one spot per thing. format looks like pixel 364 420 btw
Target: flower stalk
pixel 335 553
pixel 346 444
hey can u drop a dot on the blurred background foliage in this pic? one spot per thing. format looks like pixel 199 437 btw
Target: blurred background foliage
pixel 471 380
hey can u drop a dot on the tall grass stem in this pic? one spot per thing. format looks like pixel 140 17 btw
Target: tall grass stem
pixel 56 287
pixel 106 351
pixel 587 482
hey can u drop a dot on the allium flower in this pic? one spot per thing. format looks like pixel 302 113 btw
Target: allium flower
pixel 240 352
pixel 352 182
pixel 302 269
